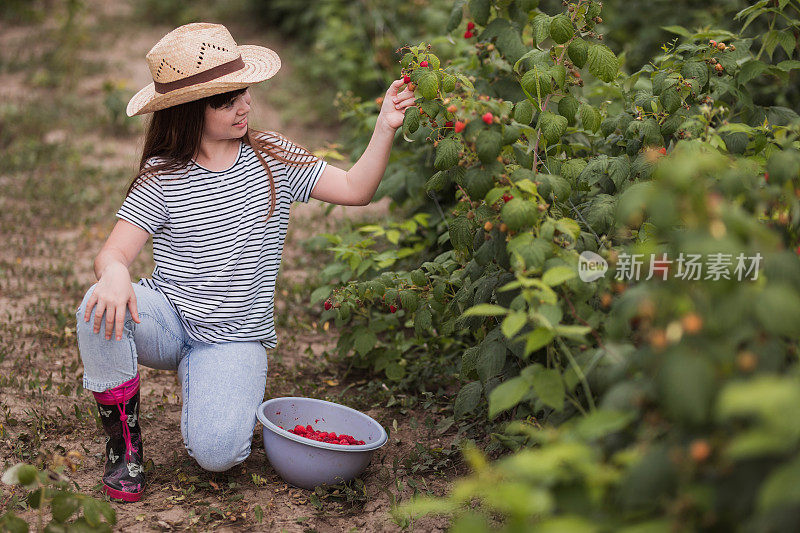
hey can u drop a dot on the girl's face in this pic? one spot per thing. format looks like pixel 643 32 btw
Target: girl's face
pixel 230 120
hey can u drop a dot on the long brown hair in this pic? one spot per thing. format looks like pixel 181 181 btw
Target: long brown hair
pixel 173 135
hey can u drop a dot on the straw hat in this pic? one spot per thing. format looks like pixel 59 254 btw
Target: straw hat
pixel 197 60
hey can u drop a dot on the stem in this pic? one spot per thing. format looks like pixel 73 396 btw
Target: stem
pixel 763 39
pixel 544 107
pixel 565 350
pixel 582 321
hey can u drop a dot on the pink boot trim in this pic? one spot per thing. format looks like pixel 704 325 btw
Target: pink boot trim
pixel 120 393
pixel 124 496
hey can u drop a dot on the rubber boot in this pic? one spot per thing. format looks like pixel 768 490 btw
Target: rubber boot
pixel 119 412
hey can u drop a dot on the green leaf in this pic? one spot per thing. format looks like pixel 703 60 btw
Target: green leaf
pixel 519 213
pixel 63 505
pixel 537 83
pixel 578 52
pixel 751 70
pixel 437 182
pixel 513 323
pixel 540 28
pixel 537 339
pixel 788 65
pixel 467 399
pixel 567 107
pixel 395 371
pixel 478 181
pixel 507 395
pixel 600 423
pixel 460 234
pixel 411 120
pixel 670 99
pixel 429 84
pixel 491 360
pixel 422 320
pixel 549 387
pixel 479 9
pixel 561 29
pixel 602 62
pixel 679 30
pixel 687 385
pixel 781 487
pixel 697 70
pixel 778 309
pixel 488 145
pixel 446 154
pixel 558 275
pixel 523 111
pixel 781 38
pixel 365 341
pixel 552 126
pixel 590 117
pixel 574 332
pixel 455 18
pixel 485 310
pixel 409 301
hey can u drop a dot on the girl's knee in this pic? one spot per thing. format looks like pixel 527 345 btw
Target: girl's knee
pixel 218 453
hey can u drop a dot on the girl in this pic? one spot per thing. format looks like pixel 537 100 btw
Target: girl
pixel 215 194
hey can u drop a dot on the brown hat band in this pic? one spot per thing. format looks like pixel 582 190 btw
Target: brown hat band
pixel 201 77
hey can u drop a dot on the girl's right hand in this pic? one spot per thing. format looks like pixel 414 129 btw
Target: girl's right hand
pixel 112 294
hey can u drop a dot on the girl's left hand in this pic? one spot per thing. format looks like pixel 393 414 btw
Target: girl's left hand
pixel 394 105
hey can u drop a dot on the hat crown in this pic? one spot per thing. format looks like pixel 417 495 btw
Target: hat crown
pixel 191 49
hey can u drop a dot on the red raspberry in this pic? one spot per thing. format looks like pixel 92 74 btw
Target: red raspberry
pixel 797 251
pixel 507 197
pixel 392 308
pixel 487 117
pixel 299 429
pixel 448 124
pixel 460 126
pixel 470 25
pixel 328 305
pixel 662 151
pixel 424 64
pixel 766 177
pixel 406 79
pixel 467 34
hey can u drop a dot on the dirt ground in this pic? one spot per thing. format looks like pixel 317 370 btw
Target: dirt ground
pixel 52 230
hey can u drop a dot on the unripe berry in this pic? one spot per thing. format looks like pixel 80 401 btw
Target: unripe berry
pixel 746 361
pixel 721 46
pixel 712 42
pixel 719 68
pixel 488 226
pixel 692 323
pixel 452 109
pixel 700 450
pixel 470 215
pixel 503 227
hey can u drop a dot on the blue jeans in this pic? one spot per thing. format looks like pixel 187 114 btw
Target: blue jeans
pixel 222 384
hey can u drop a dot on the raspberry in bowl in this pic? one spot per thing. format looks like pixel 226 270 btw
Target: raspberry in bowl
pixel 314 442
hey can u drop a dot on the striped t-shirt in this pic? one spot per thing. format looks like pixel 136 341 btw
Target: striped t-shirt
pixel 216 260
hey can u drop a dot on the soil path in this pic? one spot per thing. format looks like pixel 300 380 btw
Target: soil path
pixel 181 496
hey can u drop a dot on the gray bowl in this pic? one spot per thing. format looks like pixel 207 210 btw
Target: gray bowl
pixel 306 463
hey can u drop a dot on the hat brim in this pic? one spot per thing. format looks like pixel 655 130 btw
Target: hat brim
pixel 260 62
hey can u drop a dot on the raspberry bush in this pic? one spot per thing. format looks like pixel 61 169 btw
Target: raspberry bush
pixel 659 401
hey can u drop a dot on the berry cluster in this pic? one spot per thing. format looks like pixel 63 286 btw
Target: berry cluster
pixel 323 436
pixel 468 33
